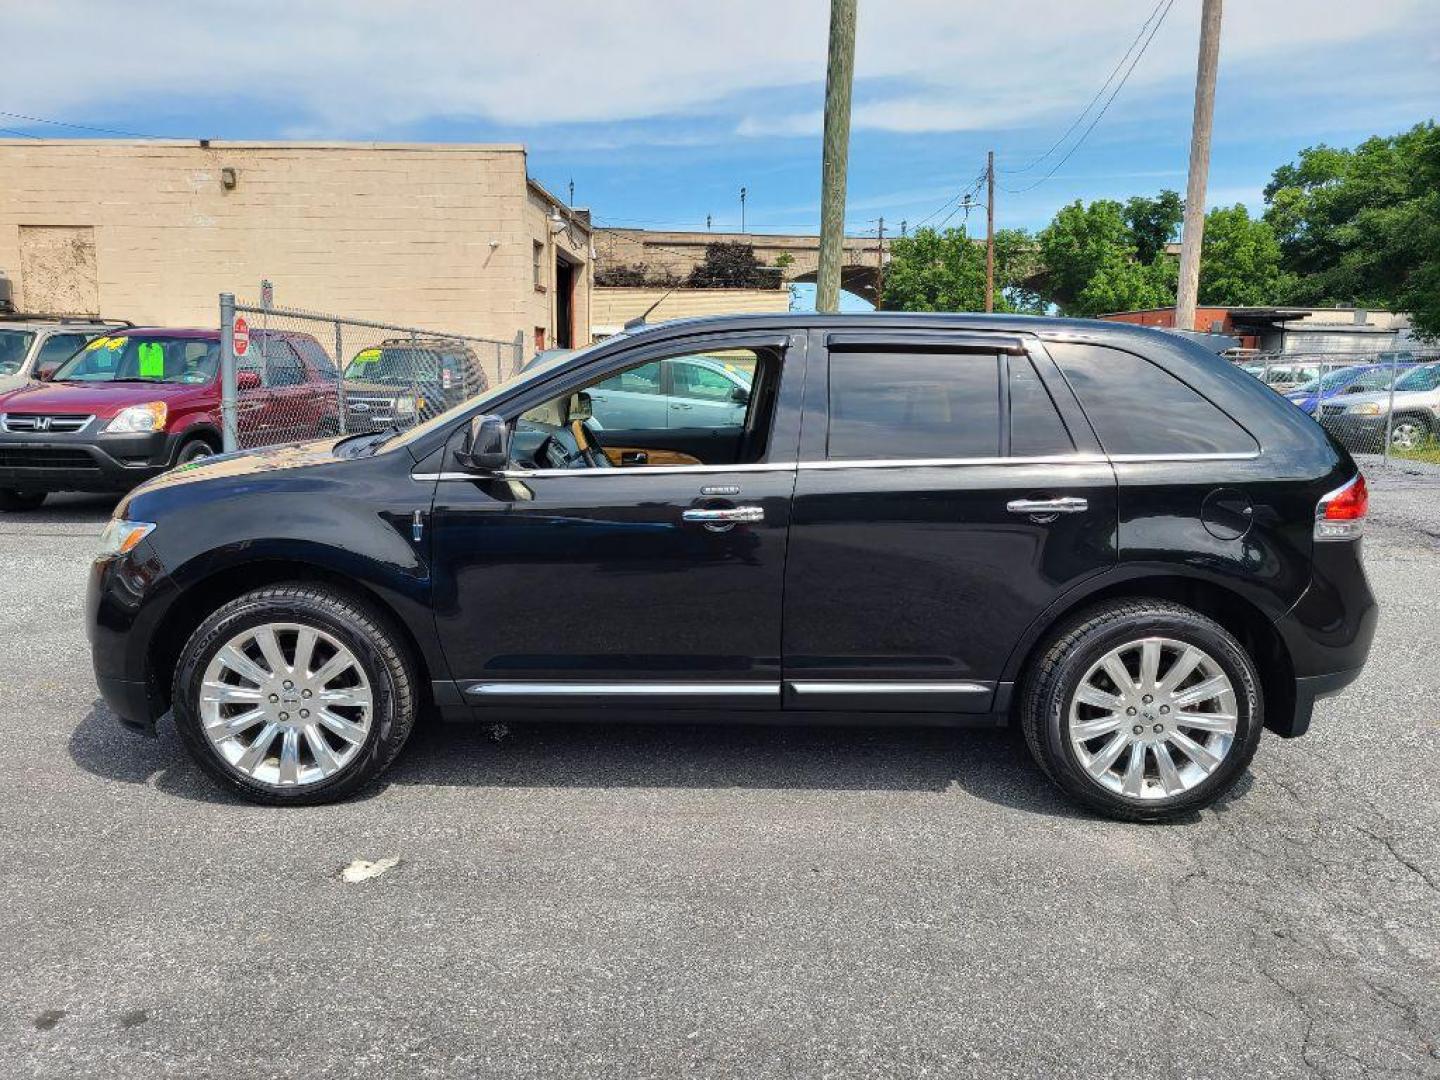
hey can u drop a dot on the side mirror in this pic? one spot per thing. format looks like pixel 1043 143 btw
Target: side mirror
pixel 46 373
pixel 487 444
pixel 247 380
pixel 740 396
pixel 1354 388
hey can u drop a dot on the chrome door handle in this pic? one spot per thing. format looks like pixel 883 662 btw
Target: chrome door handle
pixel 1068 504
pixel 722 519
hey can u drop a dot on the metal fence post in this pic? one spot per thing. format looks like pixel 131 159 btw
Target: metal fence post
pixel 340 380
pixel 1390 411
pixel 519 353
pixel 229 441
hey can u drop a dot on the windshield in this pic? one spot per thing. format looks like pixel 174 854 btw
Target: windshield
pixel 1425 378
pixel 392 365
pixel 500 388
pixel 14 347
pixel 143 358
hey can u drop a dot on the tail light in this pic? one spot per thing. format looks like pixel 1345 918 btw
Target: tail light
pixel 1341 514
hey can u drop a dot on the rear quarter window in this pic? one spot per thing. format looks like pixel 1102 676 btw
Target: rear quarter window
pixel 1137 407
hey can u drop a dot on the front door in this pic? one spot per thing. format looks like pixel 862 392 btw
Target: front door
pixel 944 500
pixel 575 581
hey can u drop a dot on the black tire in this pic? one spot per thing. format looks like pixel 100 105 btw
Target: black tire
pixel 1418 428
pixel 194 450
pixel 16 499
pixel 365 632
pixel 1079 643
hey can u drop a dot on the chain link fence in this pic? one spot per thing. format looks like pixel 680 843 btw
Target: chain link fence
pixel 1386 403
pixel 289 375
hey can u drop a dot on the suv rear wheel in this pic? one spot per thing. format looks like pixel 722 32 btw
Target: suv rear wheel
pixel 294 694
pixel 18 499
pixel 1143 710
pixel 1409 433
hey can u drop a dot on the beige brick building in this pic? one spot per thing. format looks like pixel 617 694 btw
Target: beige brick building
pixel 613 307
pixel 445 237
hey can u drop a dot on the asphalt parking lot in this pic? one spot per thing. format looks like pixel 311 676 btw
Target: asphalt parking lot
pixel 623 901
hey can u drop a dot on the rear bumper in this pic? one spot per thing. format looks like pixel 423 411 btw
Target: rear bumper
pixel 1327 633
pixel 84 461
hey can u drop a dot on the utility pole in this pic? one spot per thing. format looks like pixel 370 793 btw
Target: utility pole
pixel 742 209
pixel 1193 236
pixel 707 222
pixel 839 76
pixel 571 201
pixel 902 227
pixel 880 266
pixel 990 231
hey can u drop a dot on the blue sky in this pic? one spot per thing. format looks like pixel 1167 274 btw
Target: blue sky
pixel 660 110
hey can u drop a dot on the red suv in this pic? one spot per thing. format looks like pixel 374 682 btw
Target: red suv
pixel 131 405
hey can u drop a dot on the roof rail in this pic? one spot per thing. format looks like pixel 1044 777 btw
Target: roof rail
pixel 91 320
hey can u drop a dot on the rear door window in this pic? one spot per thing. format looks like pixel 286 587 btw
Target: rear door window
pixel 1136 407
pixel 897 404
pixel 1036 429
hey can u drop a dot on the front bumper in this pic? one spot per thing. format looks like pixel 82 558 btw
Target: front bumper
pixel 126 599
pixel 1355 432
pixel 83 461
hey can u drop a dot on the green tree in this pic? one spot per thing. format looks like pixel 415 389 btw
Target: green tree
pixel 1154 222
pixel 931 270
pixel 1362 226
pixel 1240 259
pixel 1092 263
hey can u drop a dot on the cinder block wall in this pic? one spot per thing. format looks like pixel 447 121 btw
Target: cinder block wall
pixel 429 235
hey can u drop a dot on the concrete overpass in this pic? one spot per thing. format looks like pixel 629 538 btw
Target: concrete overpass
pixel 675 254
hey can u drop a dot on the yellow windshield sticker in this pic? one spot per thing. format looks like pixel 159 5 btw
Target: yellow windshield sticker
pixel 367 356
pixel 152 360
pixel 99 343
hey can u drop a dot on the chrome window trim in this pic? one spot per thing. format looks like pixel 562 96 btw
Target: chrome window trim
pixel 859 463
pixel 625 689
pixel 840 686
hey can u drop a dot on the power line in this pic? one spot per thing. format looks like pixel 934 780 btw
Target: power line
pixel 77 127
pixel 1091 103
pixel 958 197
pixel 18 134
pixel 1104 109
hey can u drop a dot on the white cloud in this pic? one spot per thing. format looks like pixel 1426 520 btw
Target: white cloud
pixel 372 67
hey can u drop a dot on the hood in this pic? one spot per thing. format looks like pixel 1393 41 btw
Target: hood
pixel 243 463
pixel 102 399
pixel 1382 398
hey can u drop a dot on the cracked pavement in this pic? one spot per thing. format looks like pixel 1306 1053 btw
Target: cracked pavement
pixel 599 901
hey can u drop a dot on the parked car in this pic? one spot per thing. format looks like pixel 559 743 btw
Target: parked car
pixel 132 404
pixel 1285 376
pixel 687 392
pixel 1355 379
pixel 32 347
pixel 406 380
pixel 1103 533
pixel 1359 421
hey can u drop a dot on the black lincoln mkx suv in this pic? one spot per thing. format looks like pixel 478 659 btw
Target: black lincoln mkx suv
pixel 1102 533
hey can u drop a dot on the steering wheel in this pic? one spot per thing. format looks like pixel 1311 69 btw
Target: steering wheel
pixel 589 446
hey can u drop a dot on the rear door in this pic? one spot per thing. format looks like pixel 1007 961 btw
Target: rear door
pixel 948 491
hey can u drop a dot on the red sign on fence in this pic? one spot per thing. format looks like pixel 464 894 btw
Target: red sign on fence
pixel 242 335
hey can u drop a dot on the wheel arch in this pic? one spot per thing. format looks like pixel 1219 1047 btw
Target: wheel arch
pixel 221 585
pixel 199 430
pixel 1249 625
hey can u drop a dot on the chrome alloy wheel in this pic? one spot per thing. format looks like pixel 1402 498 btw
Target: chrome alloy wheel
pixel 1152 718
pixel 286 704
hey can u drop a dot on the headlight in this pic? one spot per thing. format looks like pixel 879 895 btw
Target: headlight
pixel 147 417
pixel 120 537
pixel 405 405
pixel 1365 408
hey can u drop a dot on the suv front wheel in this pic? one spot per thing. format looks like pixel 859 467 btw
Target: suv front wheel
pixel 294 694
pixel 1143 709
